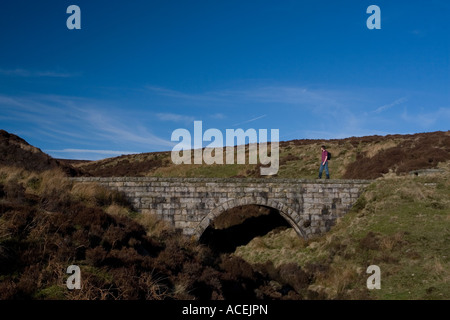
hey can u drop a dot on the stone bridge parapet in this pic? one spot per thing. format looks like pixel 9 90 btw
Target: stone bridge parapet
pixel 311 207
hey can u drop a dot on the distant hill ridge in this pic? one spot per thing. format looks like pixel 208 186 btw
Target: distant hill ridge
pixel 16 152
pixel 366 157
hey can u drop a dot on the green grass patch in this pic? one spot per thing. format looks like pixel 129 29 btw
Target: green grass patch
pixel 55 292
pixel 400 224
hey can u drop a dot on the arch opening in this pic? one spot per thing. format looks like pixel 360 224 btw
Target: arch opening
pixel 300 225
pixel 237 226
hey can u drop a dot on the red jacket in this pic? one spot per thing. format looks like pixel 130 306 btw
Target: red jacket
pixel 324 155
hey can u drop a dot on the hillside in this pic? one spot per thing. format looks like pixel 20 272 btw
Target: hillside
pixel 48 223
pixel 353 158
pixel 400 223
pixel 16 152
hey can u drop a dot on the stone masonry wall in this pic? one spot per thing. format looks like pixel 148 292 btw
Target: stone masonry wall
pixel 190 204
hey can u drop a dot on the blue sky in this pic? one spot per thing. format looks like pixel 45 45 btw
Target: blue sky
pixel 138 70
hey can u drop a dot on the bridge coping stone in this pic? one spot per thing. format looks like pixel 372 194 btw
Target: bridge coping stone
pixel 233 181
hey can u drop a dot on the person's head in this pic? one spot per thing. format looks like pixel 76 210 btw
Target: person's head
pixel 323 148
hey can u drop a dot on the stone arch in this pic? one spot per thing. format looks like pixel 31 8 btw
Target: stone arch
pixel 290 215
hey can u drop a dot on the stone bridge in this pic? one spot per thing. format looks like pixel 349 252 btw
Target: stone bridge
pixel 311 207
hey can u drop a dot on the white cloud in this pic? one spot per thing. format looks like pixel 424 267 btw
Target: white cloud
pixel 87 121
pixel 121 130
pixel 390 105
pixel 207 97
pixel 299 96
pixel 36 74
pixel 106 152
pixel 175 117
pixel 251 120
pixel 426 120
pixel 218 116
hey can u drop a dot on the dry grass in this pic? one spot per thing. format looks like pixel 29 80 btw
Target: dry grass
pixel 54 181
pixel 373 149
pixel 154 226
pixel 280 247
pixel 341 280
pixel 118 210
pixel 10 173
pixel 85 191
pixel 436 268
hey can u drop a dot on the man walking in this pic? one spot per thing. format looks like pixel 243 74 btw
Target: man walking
pixel 324 163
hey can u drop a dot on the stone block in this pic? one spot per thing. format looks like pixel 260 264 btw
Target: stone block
pixel 129 184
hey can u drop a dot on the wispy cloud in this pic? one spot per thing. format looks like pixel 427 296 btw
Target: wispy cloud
pixel 313 108
pixel 207 97
pixel 105 152
pixel 426 120
pixel 36 74
pixel 390 105
pixel 251 120
pixel 418 33
pixel 175 117
pixel 80 122
pixel 83 126
pixel 286 95
pixel 115 126
pixel 299 96
pixel 218 116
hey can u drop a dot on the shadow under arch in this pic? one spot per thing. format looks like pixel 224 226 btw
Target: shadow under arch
pixel 292 217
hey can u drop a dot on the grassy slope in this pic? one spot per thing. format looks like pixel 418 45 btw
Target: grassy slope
pixel 296 160
pixel 361 158
pixel 401 224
